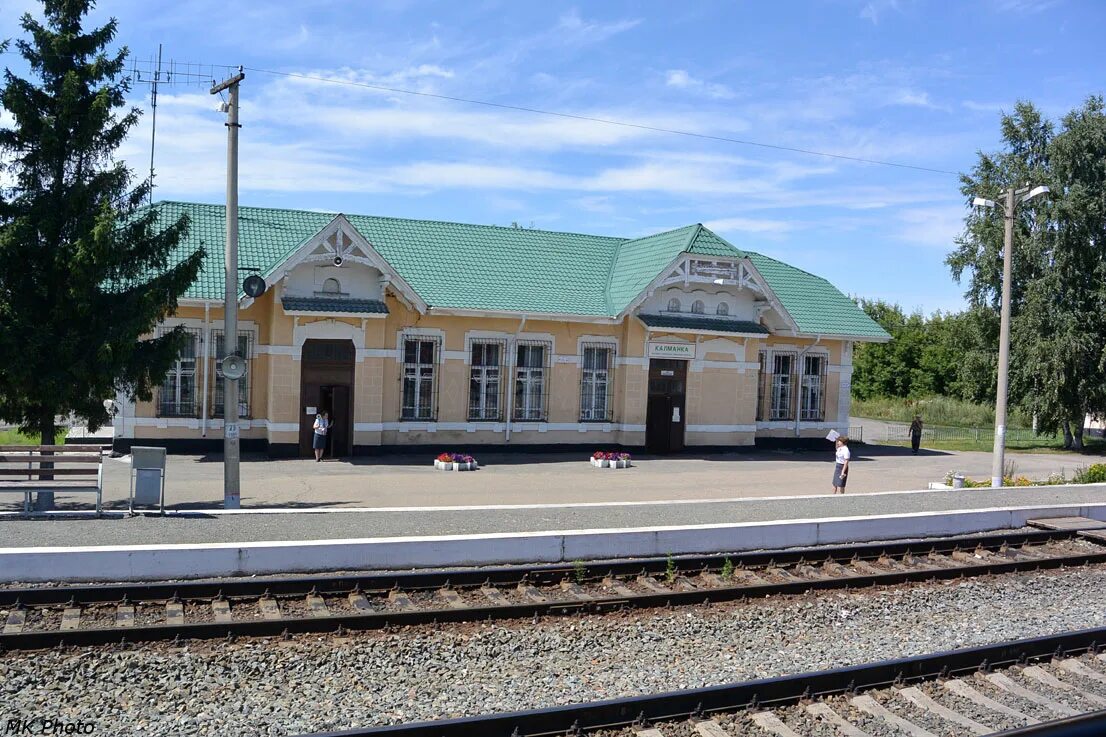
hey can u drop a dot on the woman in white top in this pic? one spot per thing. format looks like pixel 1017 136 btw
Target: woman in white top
pixel 318 442
pixel 841 467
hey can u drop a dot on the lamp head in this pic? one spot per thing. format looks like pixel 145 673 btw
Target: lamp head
pixel 980 202
pixel 1035 192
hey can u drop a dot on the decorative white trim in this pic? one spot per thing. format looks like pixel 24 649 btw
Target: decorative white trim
pixel 790 425
pixel 607 340
pixel 631 361
pixel 496 427
pixel 324 329
pixel 404 333
pixel 339 227
pixel 363 353
pixel 721 428
pixel 554 316
pixel 487 336
pixel 699 365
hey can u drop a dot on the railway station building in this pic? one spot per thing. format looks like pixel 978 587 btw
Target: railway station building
pixel 456 336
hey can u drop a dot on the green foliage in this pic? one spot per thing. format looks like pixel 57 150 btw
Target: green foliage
pixel 1093 474
pixel 579 571
pixel 85 267
pixel 935 411
pixel 15 437
pixel 951 354
pixel 670 569
pixel 1058 338
pixel 727 569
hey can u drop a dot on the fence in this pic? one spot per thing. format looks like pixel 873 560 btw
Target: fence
pixel 901 433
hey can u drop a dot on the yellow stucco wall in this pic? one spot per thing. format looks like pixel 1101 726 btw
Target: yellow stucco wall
pixel 722 383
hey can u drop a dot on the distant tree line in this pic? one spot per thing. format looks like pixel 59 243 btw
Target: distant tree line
pixel 1058 330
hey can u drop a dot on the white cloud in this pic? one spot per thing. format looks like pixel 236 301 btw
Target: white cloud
pixel 571 27
pixel 912 98
pixel 750 225
pixel 680 79
pixel 935 227
pixel 873 9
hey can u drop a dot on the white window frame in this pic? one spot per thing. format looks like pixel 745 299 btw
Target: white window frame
pixel 812 389
pixel 674 305
pixel 416 371
pixel 182 372
pixel 481 379
pixel 217 336
pixel 723 309
pixel 525 408
pixel 597 384
pixel 698 307
pixel 781 405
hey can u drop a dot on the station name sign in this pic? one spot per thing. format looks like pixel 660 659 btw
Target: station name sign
pixel 671 350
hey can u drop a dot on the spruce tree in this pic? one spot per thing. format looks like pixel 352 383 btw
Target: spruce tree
pixel 85 269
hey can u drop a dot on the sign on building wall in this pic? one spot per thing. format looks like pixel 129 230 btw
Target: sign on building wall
pixel 671 350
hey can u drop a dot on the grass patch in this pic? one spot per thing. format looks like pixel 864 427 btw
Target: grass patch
pixel 935 411
pixel 14 437
pixel 1092 446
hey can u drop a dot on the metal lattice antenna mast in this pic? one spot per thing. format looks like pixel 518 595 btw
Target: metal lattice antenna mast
pixel 153 114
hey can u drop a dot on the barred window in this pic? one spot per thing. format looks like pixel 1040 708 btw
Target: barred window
pixel 420 364
pixel 596 383
pixel 697 307
pixel 722 309
pixel 531 374
pixel 486 380
pixel 177 397
pixel 782 386
pixel 673 305
pixel 762 386
pixel 812 395
pixel 245 350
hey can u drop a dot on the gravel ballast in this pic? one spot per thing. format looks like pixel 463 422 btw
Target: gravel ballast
pixel 317 683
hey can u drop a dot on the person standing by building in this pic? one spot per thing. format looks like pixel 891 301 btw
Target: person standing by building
pixel 318 442
pixel 841 466
pixel 916 434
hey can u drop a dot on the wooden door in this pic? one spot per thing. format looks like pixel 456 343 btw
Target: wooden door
pixel 341 422
pixel 665 416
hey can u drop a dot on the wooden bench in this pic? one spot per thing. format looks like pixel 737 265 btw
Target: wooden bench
pixel 64 469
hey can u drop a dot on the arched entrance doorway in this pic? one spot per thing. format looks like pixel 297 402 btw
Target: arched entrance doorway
pixel 326 385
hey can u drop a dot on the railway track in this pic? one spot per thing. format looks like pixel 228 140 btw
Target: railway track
pixel 43 617
pixel 1045 687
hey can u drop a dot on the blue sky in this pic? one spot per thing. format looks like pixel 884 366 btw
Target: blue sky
pixel 920 83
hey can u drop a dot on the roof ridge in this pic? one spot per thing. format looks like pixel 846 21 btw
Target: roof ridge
pixel 696 230
pixel 392 218
pixel 610 276
pixel 654 235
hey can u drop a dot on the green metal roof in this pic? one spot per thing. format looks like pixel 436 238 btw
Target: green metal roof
pixel 815 304
pixel 700 322
pixel 484 267
pixel 334 304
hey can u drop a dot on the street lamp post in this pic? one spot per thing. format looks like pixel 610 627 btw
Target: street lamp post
pixel 1013 197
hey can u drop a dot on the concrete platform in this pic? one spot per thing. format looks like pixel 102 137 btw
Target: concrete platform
pixel 188 545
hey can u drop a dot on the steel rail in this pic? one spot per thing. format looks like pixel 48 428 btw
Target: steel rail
pixel 583 718
pixel 39 639
pixel 503 575
pixel 1084 725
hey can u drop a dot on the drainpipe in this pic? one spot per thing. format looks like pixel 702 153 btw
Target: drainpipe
pixel 799 368
pixel 207 355
pixel 510 381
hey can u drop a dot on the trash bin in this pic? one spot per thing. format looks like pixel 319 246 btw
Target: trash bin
pixel 147 477
pixel 958 481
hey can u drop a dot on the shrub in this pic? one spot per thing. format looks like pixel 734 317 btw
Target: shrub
pixel 1094 474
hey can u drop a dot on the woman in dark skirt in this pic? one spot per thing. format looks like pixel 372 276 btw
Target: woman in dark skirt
pixel 841 467
pixel 318 442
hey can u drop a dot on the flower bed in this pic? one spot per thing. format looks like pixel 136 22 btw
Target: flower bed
pixel 610 459
pixel 455 462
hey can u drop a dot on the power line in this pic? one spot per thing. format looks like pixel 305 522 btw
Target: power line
pixel 192 73
pixel 606 121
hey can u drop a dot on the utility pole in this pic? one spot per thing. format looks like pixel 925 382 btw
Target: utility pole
pixel 1013 197
pixel 998 452
pixel 232 494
